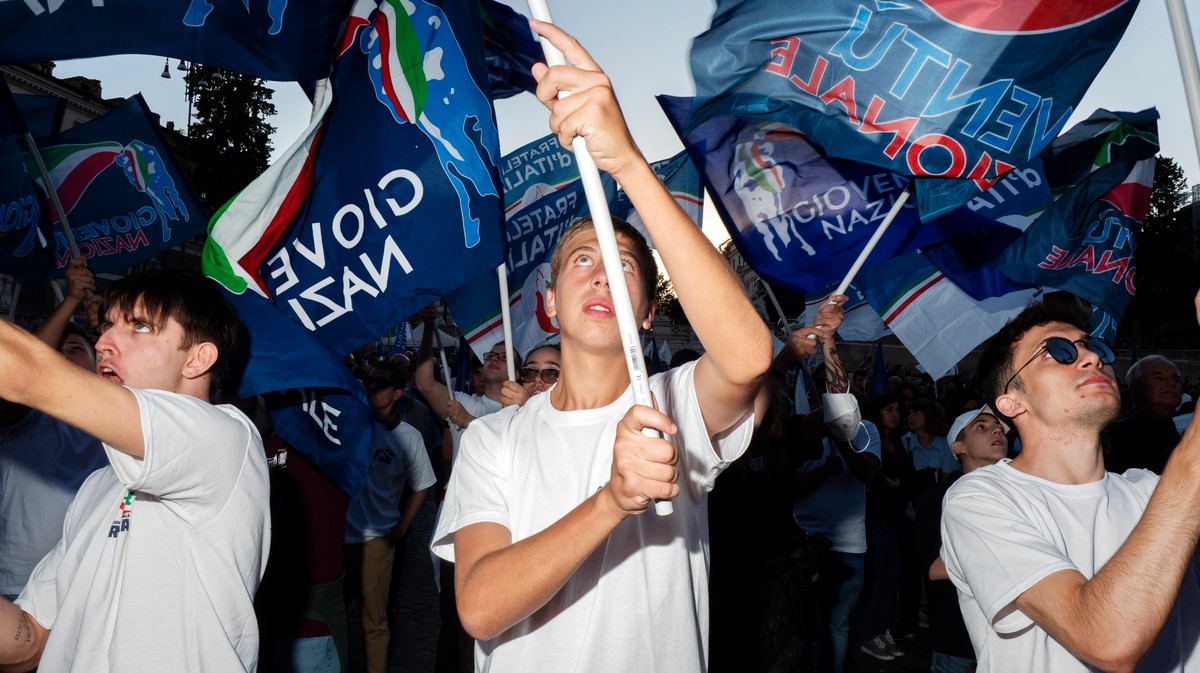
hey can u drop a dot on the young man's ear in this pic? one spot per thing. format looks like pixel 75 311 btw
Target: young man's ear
pixel 1009 406
pixel 649 321
pixel 201 360
pixel 551 308
pixel 958 448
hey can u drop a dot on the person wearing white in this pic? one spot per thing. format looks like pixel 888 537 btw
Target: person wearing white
pixel 162 552
pixel 1059 565
pixel 558 565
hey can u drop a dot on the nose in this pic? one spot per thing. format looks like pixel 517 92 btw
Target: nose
pixel 1087 358
pixel 599 278
pixel 103 345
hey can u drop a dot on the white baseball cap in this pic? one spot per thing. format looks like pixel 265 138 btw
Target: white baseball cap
pixel 964 419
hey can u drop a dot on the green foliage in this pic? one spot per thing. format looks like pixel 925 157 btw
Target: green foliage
pixel 230 139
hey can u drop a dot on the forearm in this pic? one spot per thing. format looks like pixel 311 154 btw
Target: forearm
pixel 862 465
pixel 507 585
pixel 435 393
pixel 734 336
pixel 410 510
pixel 51 330
pixel 835 373
pixel 1130 598
pixel 21 639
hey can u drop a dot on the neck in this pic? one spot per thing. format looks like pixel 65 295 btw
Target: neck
pixel 924 437
pixel 1061 454
pixel 492 390
pixel 589 380
pixel 386 416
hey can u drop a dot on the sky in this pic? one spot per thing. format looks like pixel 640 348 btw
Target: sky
pixel 643 46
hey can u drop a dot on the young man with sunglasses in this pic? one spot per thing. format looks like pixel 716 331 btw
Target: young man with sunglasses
pixel 559 567
pixel 1060 565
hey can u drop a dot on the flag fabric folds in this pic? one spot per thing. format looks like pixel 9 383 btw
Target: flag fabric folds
pixel 934 89
pixel 1084 243
pixel 543 197
pixel 860 321
pixel 282 40
pixel 124 195
pixel 389 200
pixel 22 209
pixel 935 320
pixel 510 49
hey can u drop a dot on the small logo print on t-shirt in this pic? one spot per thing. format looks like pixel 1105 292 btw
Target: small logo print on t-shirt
pixel 125 507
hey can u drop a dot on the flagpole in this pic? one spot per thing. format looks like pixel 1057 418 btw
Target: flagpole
pixel 610 255
pixel 862 256
pixel 787 329
pixel 52 194
pixel 1185 49
pixel 437 336
pixel 506 320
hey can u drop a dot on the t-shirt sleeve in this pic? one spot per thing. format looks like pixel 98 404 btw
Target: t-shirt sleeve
pixel 993 553
pixel 418 472
pixel 706 456
pixel 478 483
pixel 477 405
pixel 194 453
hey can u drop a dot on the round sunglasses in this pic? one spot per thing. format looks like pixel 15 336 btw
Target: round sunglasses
pixel 1065 352
pixel 548 376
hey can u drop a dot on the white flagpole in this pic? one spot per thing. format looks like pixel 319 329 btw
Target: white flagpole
pixel 589 175
pixel 437 336
pixel 862 256
pixel 1185 49
pixel 506 319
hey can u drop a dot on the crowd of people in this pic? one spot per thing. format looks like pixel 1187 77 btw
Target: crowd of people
pixel 151 521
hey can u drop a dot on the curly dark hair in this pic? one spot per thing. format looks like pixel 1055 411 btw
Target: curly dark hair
pixel 995 365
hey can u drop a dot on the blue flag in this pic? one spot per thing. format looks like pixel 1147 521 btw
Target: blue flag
pixel 798 217
pixel 510 49
pixel 22 210
pixel 281 40
pixel 43 115
pixel 124 196
pixel 1102 173
pixel 929 88
pixel 390 199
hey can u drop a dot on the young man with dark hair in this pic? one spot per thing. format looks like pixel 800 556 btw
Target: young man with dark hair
pixel 163 550
pixel 558 565
pixel 1061 566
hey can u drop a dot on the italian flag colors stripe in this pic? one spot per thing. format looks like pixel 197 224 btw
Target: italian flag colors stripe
pixel 403 68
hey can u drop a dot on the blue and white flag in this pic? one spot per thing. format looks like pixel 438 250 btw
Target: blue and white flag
pixel 925 88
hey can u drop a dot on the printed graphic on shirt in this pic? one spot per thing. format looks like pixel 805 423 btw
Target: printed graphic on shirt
pixel 125 507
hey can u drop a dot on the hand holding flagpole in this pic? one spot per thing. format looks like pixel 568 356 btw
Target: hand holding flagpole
pixel 589 176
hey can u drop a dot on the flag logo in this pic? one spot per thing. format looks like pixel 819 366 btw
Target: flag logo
pixel 1021 16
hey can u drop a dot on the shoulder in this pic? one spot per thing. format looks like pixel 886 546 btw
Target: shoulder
pixel 491 429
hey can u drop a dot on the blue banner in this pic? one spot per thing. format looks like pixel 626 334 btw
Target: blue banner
pixel 22 210
pixel 926 88
pixel 124 197
pixel 282 40
pixel 1102 173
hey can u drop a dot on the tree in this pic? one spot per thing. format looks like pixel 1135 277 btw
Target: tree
pixel 229 137
pixel 1170 183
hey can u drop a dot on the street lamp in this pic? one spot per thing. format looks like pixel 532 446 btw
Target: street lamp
pixel 166 73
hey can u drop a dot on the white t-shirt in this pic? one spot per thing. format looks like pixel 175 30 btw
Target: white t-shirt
pixel 160 557
pixel 477 406
pixel 838 508
pixel 43 462
pixel 398 458
pixel 639 602
pixel 1003 531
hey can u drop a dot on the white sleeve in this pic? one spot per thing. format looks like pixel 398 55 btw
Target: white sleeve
pixel 704 458
pixel 194 453
pixel 478 482
pixel 994 553
pixel 418 472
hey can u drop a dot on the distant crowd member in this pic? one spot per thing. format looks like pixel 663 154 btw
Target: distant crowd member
pixel 43 461
pixel 559 565
pixel 1146 437
pixel 1060 565
pixel 379 516
pixel 542 368
pixel 977 440
pixel 163 551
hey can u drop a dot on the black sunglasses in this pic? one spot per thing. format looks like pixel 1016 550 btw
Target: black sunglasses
pixel 1065 352
pixel 548 376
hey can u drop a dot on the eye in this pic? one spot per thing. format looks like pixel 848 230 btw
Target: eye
pixel 141 327
pixel 584 259
pixel 626 266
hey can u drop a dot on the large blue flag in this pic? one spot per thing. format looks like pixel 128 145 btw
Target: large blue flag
pixel 928 88
pixel 281 40
pixel 1102 171
pixel 22 211
pixel 124 196
pixel 390 199
pixel 799 218
pixel 510 49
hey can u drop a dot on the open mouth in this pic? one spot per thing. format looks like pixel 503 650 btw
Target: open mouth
pixel 108 374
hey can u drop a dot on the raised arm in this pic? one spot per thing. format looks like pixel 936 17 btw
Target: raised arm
pixel 737 344
pixel 80 281
pixel 799 347
pixel 434 392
